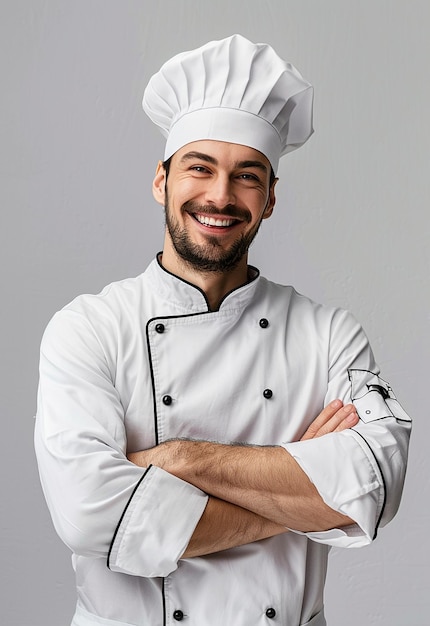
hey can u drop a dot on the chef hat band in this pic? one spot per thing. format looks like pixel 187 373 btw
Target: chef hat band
pixel 234 91
pixel 224 124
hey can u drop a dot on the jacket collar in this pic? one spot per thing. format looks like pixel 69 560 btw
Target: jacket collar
pixel 189 298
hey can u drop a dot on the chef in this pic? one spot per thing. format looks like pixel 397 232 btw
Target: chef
pixel 203 434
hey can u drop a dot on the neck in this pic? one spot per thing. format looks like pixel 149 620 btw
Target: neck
pixel 215 285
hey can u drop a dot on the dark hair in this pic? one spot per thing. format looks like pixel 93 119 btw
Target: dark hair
pixel 167 162
pixel 166 166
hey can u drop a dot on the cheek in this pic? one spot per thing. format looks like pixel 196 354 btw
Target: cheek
pixel 257 203
pixel 183 192
pixel 192 189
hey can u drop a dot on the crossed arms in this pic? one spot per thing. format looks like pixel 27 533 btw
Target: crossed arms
pixel 255 491
pixel 103 505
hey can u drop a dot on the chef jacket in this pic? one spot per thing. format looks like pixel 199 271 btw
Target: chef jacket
pixel 146 360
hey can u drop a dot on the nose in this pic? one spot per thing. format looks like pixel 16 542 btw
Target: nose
pixel 219 192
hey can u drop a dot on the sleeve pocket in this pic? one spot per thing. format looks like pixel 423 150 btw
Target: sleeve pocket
pixel 373 397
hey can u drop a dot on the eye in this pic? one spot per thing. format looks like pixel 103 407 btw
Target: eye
pixel 249 178
pixel 200 169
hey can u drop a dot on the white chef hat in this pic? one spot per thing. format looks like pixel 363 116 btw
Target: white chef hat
pixel 231 90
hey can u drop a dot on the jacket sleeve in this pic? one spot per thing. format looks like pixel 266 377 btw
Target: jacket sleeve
pixel 99 501
pixel 359 472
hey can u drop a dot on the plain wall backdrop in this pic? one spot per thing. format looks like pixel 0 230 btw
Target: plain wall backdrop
pixel 350 228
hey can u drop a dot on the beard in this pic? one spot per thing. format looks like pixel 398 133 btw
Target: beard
pixel 210 257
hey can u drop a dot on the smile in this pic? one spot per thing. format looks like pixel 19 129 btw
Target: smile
pixel 213 221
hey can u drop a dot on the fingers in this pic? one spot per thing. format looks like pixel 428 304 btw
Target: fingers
pixel 345 418
pixel 333 418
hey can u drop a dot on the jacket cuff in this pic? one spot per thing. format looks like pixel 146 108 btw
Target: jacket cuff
pixel 156 525
pixel 348 479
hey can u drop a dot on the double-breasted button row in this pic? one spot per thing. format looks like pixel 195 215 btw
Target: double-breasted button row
pixel 167 400
pixel 178 615
pixel 160 328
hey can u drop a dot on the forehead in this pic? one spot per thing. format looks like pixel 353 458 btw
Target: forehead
pixel 222 153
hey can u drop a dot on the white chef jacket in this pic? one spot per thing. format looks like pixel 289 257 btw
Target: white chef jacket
pixel 145 361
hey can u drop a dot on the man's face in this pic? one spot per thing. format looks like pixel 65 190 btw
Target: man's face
pixel 215 198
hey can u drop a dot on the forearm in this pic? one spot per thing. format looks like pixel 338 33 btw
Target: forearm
pixel 264 480
pixel 224 525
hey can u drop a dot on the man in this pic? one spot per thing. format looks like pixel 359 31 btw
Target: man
pixel 192 440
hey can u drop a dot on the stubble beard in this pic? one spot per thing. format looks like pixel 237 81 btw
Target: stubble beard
pixel 209 257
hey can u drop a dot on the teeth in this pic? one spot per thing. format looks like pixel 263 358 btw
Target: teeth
pixel 212 221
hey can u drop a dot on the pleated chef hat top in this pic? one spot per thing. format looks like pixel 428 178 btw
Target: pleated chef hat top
pixel 231 90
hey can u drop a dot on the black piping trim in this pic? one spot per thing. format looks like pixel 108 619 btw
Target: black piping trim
pixel 255 270
pixel 123 513
pixel 383 483
pixel 163 596
pixel 151 369
pixel 257 274
pixel 378 419
pixel 158 257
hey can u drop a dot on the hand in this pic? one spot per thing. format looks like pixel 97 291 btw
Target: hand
pixel 333 419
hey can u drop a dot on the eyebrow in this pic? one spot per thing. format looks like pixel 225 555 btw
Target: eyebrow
pixel 202 156
pixel 246 164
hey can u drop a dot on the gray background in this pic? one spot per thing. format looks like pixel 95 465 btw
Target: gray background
pixel 350 228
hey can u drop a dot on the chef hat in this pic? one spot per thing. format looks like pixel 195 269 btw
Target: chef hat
pixel 231 90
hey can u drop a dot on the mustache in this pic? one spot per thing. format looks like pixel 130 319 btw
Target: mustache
pixel 205 209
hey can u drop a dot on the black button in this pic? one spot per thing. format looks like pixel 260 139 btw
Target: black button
pixel 267 393
pixel 270 613
pixel 160 328
pixel 178 616
pixel 167 400
pixel 264 323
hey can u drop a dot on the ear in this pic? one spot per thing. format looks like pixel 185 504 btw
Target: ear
pixel 159 184
pixel 271 201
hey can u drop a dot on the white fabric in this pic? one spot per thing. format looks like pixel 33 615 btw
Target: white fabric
pixel 231 90
pixel 103 374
